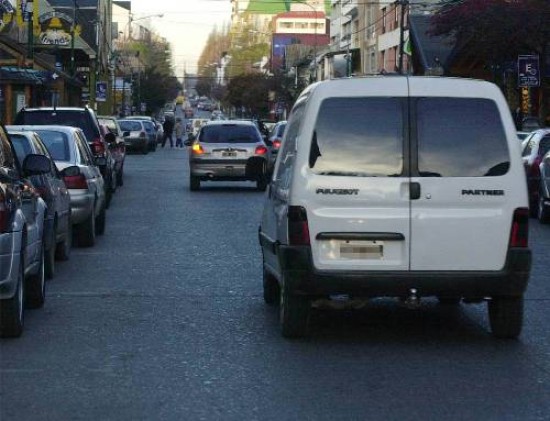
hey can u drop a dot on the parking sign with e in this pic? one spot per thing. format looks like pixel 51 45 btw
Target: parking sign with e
pixel 528 71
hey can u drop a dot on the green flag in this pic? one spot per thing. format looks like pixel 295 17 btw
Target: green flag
pixel 407 47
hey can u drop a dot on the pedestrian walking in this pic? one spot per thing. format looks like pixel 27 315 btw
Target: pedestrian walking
pixel 179 132
pixel 168 127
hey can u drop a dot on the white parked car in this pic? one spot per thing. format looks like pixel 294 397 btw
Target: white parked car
pixel 402 187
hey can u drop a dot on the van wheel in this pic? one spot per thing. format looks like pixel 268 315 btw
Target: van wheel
pixel 506 316
pixel 12 310
pixel 271 288
pixel 543 212
pixel 293 312
pixel 194 183
pixel 86 231
pixel 36 285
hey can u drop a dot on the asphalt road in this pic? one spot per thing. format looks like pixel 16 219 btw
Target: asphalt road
pixel 164 320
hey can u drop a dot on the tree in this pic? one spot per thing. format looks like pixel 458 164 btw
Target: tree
pixel 250 91
pixel 496 31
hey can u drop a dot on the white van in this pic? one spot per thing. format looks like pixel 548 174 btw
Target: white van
pixel 397 186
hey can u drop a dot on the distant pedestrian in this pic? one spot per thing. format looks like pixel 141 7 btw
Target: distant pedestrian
pixel 179 132
pixel 168 127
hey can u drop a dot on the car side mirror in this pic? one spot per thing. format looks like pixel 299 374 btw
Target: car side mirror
pixel 101 161
pixel 110 137
pixel 71 171
pixel 35 164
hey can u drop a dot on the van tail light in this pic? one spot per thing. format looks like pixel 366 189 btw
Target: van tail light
pixel 76 181
pixel 197 149
pixel 298 229
pixel 519 236
pixel 4 214
pixel 276 144
pixel 98 148
pixel 260 150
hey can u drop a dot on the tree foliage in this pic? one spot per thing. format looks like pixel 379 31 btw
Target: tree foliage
pixel 250 91
pixel 497 31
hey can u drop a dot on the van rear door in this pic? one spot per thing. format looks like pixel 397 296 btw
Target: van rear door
pixel 461 219
pixel 357 184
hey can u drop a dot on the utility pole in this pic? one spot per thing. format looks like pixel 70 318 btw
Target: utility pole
pixel 404 4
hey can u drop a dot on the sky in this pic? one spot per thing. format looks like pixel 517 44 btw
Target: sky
pixel 186 24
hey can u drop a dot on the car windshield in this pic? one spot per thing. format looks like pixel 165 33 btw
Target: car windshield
pixel 229 133
pixel 130 126
pixel 57 144
pixel 149 126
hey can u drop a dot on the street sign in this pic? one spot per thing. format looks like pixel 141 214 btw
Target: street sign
pixel 101 91
pixel 528 71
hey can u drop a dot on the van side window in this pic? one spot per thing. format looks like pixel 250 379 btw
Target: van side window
pixel 361 137
pixel 460 137
pixel 287 153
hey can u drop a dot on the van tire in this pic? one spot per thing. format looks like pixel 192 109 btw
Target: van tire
pixel 12 310
pixel 271 289
pixel 35 294
pixel 506 316
pixel 293 312
pixel 194 183
pixel 543 213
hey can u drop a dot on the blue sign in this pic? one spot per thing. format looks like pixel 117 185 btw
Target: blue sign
pixel 528 71
pixel 101 91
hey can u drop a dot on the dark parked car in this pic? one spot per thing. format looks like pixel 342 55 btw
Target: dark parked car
pixel 543 209
pixel 117 147
pixel 22 214
pixel 52 188
pixel 274 142
pixel 85 119
pixel 534 148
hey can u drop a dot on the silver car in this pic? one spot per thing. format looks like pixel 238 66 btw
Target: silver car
pixel 80 171
pixel 228 150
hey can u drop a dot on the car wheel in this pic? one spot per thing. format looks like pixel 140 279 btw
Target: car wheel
pixel 35 285
pixel 194 183
pixel 120 177
pixel 271 288
pixel 108 195
pixel 145 149
pixel 63 249
pixel 506 316
pixel 543 212
pixel 100 222
pixel 49 261
pixel 262 182
pixel 293 312
pixel 86 231
pixel 12 310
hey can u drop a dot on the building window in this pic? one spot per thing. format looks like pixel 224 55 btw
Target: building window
pixel 384 20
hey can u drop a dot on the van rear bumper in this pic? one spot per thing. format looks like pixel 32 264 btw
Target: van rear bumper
pixel 302 278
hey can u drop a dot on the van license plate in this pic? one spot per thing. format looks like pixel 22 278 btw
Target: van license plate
pixel 362 250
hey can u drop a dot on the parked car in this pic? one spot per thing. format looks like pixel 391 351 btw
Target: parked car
pixel 274 142
pixel 228 150
pixel 52 189
pixel 85 119
pixel 22 213
pixel 117 147
pixel 380 191
pixel 535 146
pixel 80 171
pixel 529 124
pixel 543 211
pixel 151 128
pixel 135 136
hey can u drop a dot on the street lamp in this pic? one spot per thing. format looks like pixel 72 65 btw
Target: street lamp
pixel 131 19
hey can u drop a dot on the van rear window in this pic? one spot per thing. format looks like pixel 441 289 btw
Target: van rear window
pixel 460 137
pixel 358 137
